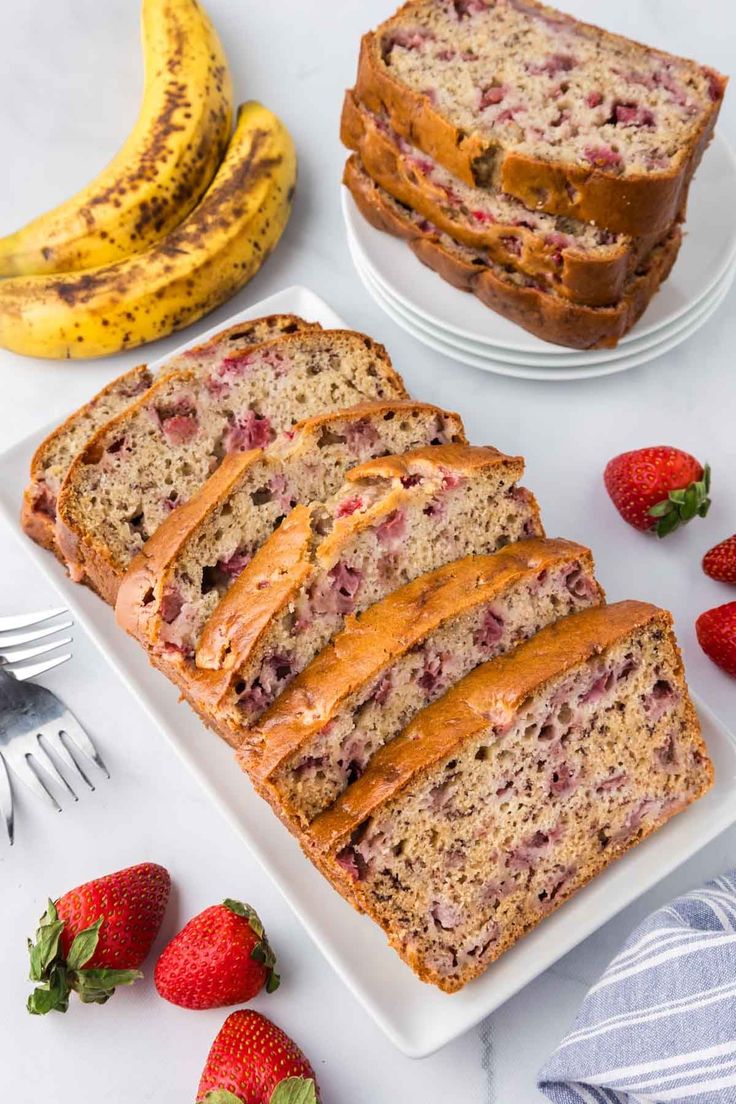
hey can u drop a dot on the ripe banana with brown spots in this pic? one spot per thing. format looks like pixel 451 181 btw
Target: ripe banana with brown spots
pixel 165 166
pixel 216 250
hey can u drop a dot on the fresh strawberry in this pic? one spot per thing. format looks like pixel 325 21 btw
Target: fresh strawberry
pixel 720 562
pixel 716 631
pixel 254 1062
pixel 96 937
pixel 658 488
pixel 220 957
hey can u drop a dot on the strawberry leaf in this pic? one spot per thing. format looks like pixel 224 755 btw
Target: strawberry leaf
pixel 53 996
pixel 84 946
pixel 97 986
pixel 261 952
pixel 46 948
pixel 295 1090
pixel 682 505
pixel 221 1096
pixel 661 508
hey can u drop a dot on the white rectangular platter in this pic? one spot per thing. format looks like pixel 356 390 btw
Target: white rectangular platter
pixel 416 1017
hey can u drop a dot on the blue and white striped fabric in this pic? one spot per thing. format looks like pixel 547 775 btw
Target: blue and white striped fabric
pixel 660 1025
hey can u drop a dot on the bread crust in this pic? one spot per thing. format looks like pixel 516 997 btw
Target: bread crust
pixel 550 317
pixel 87 557
pixel 593 279
pixel 154 566
pixel 386 631
pixel 637 205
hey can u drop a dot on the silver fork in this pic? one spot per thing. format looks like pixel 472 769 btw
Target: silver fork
pixel 32 719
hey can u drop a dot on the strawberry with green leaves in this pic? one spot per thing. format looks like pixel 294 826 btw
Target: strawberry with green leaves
pixel 720 562
pixel 658 488
pixel 252 1061
pixel 96 937
pixel 716 631
pixel 220 957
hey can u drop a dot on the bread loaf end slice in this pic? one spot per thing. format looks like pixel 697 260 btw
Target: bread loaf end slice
pixel 53 457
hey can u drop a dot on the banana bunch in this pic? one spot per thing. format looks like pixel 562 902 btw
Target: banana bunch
pixel 178 222
pixel 214 251
pixel 164 167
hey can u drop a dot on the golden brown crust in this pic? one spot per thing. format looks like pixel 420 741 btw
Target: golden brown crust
pixel 88 558
pixel 542 313
pixel 282 564
pixel 593 279
pixel 490 693
pixel 153 566
pixel 634 205
pixel 385 632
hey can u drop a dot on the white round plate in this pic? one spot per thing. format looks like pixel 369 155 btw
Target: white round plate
pixel 575 360
pixel 503 368
pixel 707 253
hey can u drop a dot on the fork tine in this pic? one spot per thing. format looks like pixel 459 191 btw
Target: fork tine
pixel 44 760
pixel 24 620
pixel 12 641
pixel 70 726
pixel 54 739
pixel 19 655
pixel 6 801
pixel 33 670
pixel 21 766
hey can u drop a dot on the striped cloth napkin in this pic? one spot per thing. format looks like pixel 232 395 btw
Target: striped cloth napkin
pixel 660 1025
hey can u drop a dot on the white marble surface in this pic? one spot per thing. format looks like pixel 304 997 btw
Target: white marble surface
pixel 69 80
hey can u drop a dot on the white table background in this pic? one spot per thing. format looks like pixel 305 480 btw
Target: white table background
pixel 70 73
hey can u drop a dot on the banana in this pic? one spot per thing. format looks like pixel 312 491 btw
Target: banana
pixel 216 250
pixel 164 167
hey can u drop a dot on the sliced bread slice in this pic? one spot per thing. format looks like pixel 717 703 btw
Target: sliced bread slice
pixel 578 260
pixel 181 573
pixel 503 798
pixel 560 114
pixel 400 655
pixel 53 457
pixel 394 519
pixel 507 290
pixel 151 458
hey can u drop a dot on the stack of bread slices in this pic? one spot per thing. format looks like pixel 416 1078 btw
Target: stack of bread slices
pixel 537 161
pixel 432 695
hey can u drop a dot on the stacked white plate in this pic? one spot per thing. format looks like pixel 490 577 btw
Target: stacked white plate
pixel 460 326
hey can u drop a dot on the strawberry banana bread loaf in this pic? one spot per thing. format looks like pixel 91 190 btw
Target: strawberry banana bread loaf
pixel 394 519
pixel 522 299
pixel 566 117
pixel 580 261
pixel 517 787
pixel 53 457
pixel 151 458
pixel 184 569
pixel 399 656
